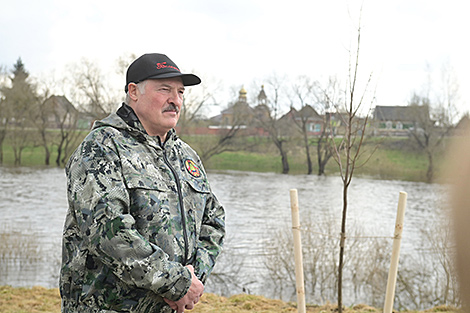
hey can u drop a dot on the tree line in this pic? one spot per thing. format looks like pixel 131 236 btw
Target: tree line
pixel 26 114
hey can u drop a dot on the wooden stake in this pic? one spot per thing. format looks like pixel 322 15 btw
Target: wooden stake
pixel 299 272
pixel 392 274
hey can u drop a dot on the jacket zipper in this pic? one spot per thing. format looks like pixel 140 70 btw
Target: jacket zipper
pixel 180 199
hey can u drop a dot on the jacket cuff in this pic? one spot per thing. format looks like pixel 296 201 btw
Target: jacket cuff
pixel 180 287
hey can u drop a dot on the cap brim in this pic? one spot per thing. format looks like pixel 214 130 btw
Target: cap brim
pixel 188 79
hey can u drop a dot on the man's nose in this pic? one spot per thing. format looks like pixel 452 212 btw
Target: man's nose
pixel 176 98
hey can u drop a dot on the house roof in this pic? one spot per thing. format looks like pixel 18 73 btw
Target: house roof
pixel 399 113
pixel 307 112
pixel 61 102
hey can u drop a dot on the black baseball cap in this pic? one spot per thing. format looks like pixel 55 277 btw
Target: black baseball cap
pixel 156 66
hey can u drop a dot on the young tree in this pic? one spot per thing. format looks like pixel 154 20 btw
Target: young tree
pixel 347 152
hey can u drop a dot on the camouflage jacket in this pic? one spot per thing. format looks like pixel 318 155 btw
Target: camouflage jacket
pixel 139 211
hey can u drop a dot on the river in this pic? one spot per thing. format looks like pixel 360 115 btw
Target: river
pixel 33 206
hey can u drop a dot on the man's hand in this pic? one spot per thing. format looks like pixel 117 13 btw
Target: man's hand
pixel 191 297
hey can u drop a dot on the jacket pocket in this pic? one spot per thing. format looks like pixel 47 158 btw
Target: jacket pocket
pixel 144 179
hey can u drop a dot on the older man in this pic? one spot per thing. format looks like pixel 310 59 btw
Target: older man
pixel 143 228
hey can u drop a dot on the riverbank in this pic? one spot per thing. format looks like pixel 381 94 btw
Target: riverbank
pixel 387 159
pixel 39 299
pixel 382 158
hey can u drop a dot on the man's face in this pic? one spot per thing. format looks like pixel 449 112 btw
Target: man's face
pixel 159 107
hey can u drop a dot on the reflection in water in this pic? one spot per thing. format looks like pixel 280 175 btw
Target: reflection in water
pixel 258 204
pixel 33 206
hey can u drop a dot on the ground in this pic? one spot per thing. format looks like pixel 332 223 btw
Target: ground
pixel 39 299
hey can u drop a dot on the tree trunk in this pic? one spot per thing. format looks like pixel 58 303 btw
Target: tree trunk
pixel 430 171
pixel 285 162
pixel 321 164
pixel 2 138
pixel 323 153
pixel 46 148
pixel 48 155
pixel 307 152
pixel 17 153
pixel 59 151
pixel 341 248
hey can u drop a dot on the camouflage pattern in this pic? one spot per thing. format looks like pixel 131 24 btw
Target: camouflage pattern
pixel 139 211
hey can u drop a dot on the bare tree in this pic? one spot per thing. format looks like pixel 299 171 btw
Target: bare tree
pixel 40 118
pixel 196 101
pixel 326 99
pixel 430 277
pixel 43 115
pixel 348 150
pixel 366 274
pixel 302 89
pixel 123 62
pixel 89 90
pixel 267 119
pixel 66 118
pixel 226 132
pixel 434 119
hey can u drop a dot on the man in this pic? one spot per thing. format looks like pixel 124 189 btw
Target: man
pixel 143 228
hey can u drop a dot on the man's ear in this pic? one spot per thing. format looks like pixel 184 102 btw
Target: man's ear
pixel 133 91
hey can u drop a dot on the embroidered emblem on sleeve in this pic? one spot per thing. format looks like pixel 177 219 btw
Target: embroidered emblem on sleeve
pixel 192 168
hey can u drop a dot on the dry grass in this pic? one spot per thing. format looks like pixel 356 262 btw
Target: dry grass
pixel 31 300
pixel 39 299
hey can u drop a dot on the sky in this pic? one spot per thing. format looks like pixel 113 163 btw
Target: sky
pixel 235 42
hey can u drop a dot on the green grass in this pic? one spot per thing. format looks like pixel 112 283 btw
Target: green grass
pixel 244 161
pixel 394 159
pixel 30 156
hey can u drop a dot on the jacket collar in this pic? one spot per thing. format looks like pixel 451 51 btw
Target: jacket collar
pixel 127 114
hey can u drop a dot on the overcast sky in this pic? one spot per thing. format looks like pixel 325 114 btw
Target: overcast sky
pixel 238 41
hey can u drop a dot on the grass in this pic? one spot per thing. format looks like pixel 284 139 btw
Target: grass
pixel 30 156
pixel 31 300
pixel 385 163
pixel 39 299
pixel 244 161
pixel 394 159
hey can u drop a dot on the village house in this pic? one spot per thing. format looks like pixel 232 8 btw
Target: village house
pixel 398 120
pixel 306 118
pixel 61 113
